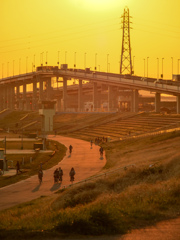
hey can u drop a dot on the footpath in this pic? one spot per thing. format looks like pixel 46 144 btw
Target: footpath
pixel 86 162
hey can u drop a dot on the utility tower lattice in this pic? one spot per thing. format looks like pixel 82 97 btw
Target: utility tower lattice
pixel 126 60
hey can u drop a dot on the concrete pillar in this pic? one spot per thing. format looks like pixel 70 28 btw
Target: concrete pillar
pixel 110 98
pixel 135 101
pixel 11 97
pixel 48 88
pixel 157 102
pixel 64 94
pixel 80 97
pixel 95 96
pixel 40 89
pixel 34 96
pixel 24 97
pixel 5 97
pixel 17 97
pixel 2 98
pixel 178 104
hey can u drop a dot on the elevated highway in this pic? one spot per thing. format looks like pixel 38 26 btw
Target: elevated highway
pixel 41 80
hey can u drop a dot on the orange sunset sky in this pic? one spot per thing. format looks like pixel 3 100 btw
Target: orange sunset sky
pixel 74 31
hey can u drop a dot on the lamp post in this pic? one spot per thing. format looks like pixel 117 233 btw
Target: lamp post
pixel 26 64
pixel 147 66
pixel 34 62
pixel 58 59
pixel 65 56
pixel 95 68
pixel 13 68
pixel 172 65
pixel 157 68
pixel 162 68
pixel 19 65
pixel 2 69
pixel 144 66
pixel 74 59
pixel 107 63
pixel 133 64
pixel 178 66
pixel 7 69
pixel 85 60
pixel 46 58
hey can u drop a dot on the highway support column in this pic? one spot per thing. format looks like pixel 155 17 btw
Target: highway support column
pixel 95 96
pixel 157 102
pixel 34 95
pixel 64 94
pixel 135 100
pixel 48 88
pixel 40 89
pixel 178 104
pixel 110 98
pixel 80 97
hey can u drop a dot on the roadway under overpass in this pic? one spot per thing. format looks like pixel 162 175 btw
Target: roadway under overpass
pixel 111 88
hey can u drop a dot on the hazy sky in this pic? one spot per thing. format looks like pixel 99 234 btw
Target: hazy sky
pixel 40 30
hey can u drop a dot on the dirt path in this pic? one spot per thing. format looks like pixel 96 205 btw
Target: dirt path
pixel 85 160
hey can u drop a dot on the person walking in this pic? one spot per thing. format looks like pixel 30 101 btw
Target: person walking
pixel 101 151
pixel 72 174
pixel 70 149
pixel 91 142
pixel 56 175
pixel 60 174
pixel 18 167
pixel 40 175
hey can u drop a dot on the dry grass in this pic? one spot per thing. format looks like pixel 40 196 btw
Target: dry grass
pixel 133 198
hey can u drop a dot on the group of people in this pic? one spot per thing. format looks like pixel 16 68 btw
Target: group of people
pixel 58 174
pixel 99 140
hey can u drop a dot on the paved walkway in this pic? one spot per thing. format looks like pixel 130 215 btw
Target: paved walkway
pixel 85 160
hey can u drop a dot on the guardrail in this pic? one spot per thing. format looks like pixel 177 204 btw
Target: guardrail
pixel 100 175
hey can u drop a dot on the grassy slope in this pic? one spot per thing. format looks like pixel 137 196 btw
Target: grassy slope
pixel 132 198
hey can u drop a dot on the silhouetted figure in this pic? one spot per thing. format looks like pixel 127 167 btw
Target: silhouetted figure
pixel 18 167
pixel 60 174
pixel 72 174
pixel 40 175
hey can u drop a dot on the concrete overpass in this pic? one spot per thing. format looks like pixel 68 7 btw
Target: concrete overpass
pixel 41 81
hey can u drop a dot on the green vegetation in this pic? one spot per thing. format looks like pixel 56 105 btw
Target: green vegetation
pixel 139 195
pixel 135 198
pixel 30 168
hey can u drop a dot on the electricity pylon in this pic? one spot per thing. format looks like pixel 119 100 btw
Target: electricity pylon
pixel 126 60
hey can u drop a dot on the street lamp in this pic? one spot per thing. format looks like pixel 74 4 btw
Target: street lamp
pixel 107 64
pixel 19 65
pixel 144 66
pixel 162 68
pixel 157 68
pixel 26 64
pixel 7 69
pixel 95 62
pixel 46 58
pixel 58 58
pixel 178 66
pixel 13 67
pixel 85 60
pixel 2 69
pixel 75 59
pixel 147 66
pixel 65 56
pixel 34 62
pixel 172 65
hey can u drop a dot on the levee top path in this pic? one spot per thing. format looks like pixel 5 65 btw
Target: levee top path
pixel 86 162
